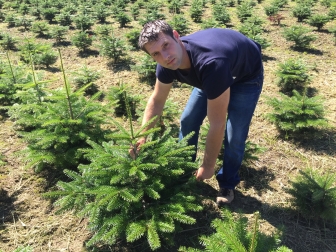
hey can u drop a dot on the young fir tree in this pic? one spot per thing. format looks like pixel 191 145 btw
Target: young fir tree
pixel 127 198
pixel 233 234
pixel 64 123
pixel 292 74
pixel 297 113
pixel 314 195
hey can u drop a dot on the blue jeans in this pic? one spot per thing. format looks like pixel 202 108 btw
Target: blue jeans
pixel 243 100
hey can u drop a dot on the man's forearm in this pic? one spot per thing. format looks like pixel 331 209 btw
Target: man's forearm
pixel 152 109
pixel 213 145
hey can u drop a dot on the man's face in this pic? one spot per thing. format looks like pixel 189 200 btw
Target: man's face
pixel 166 51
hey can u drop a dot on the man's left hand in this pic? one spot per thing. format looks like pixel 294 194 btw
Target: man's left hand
pixel 204 173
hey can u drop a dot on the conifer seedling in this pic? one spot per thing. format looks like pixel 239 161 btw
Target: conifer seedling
pixel 127 198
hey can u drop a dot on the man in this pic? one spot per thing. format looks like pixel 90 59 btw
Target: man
pixel 225 68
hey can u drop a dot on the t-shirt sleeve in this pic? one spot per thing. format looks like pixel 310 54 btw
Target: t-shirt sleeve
pixel 216 77
pixel 164 75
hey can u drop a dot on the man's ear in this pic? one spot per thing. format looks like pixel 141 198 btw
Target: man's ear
pixel 176 35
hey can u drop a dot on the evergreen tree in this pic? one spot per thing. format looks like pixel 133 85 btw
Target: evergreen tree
pixel 233 234
pixel 314 195
pixel 132 198
pixel 297 113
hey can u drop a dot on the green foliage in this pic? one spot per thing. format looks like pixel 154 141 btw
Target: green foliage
pixel 314 194
pixel 49 13
pixel 152 13
pixel 40 54
pixel 131 199
pixel 292 74
pixel 211 23
pixel 252 28
pixel 318 20
pixel 63 125
pixel 58 33
pixel 113 47
pixel 41 28
pixel 133 37
pixel 299 34
pixel 135 11
pixel 7 42
pixel 271 10
pixel 279 3
pixel 232 234
pixel 297 113
pixel 302 11
pixel 123 19
pixel 84 77
pixel 101 13
pixel 24 22
pixel 82 40
pixel 146 68
pixel 196 10
pixel 332 12
pixel 221 14
pixel 116 98
pixel 11 79
pixel 83 22
pixel 331 30
pixel 175 6
pixel 24 249
pixel 180 24
pixel 64 18
pixel 10 20
pixel 244 10
pixel 103 30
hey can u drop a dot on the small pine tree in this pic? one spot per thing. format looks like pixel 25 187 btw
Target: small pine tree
pixel 302 11
pixel 299 34
pixel 221 14
pixel 113 47
pixel 180 24
pixel 115 96
pixel 244 10
pixel 292 74
pixel 82 40
pixel 85 76
pixel 196 10
pixel 297 113
pixel 131 199
pixel 233 234
pixel 41 28
pixel 314 194
pixel 62 128
pixel 146 68
pixel 318 20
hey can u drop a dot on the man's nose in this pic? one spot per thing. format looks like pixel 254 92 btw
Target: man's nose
pixel 166 55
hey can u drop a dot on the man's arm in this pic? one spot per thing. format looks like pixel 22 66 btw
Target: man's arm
pixel 216 112
pixel 156 102
pixel 153 108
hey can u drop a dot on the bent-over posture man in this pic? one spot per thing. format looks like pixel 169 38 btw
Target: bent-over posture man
pixel 226 70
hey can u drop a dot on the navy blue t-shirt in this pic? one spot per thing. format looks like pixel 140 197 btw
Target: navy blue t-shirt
pixel 219 58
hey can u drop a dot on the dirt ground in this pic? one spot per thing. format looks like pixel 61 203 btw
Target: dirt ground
pixel 28 219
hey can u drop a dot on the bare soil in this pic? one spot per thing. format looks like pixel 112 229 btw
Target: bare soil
pixel 26 218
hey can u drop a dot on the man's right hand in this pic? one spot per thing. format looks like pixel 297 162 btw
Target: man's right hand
pixel 134 150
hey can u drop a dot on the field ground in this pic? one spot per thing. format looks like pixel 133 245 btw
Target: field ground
pixel 29 219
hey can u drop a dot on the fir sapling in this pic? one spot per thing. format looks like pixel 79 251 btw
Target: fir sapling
pixel 314 194
pixel 232 234
pixel 68 121
pixel 127 198
pixel 297 113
